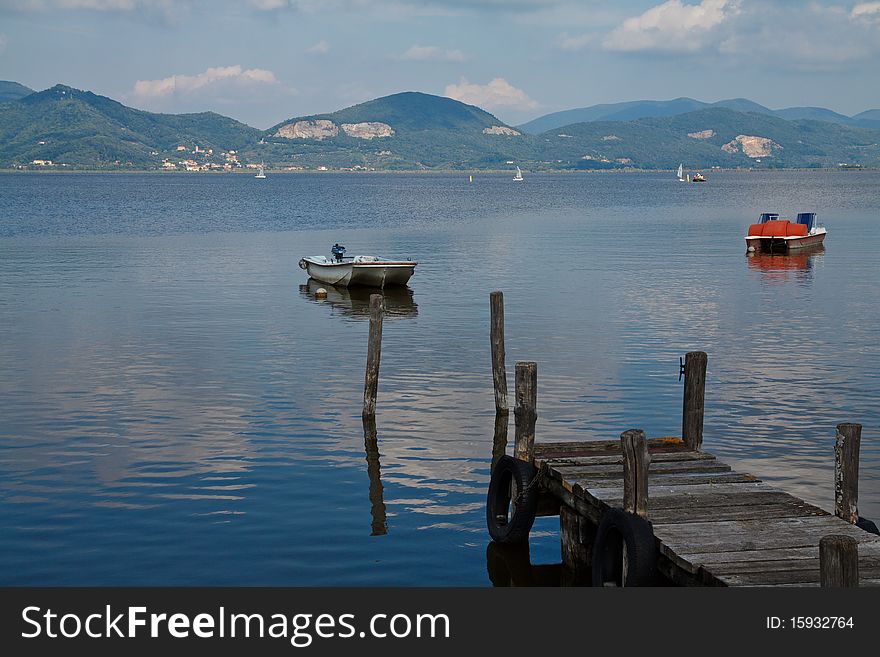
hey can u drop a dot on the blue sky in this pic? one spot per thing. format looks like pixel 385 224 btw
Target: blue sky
pixel 262 61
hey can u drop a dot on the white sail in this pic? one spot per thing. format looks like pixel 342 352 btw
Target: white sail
pixel 518 175
pixel 680 171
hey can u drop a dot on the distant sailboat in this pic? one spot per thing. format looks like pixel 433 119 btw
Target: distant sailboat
pixel 262 173
pixel 518 177
pixel 681 173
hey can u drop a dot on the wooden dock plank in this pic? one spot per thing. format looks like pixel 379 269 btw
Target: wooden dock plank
pixel 716 525
pixel 655 467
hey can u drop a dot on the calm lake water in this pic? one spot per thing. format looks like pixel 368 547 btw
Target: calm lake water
pixel 176 408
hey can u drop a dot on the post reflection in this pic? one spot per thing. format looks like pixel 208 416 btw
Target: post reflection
pixel 784 267
pixel 355 301
pixel 379 525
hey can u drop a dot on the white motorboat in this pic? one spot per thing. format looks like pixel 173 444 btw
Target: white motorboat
pixel 344 271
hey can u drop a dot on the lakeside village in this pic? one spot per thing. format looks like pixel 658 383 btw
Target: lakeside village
pixel 189 159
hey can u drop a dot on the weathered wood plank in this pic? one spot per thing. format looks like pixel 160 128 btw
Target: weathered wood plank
pixel 694 399
pixel 710 500
pixel 715 559
pixel 868 565
pixel 654 468
pixel 846 472
pixel 791 509
pixel 496 338
pixel 617 459
pixel 734 535
pixel 839 561
pixel 526 410
pixel 669 479
pixel 636 460
pixel 600 447
pixel 374 355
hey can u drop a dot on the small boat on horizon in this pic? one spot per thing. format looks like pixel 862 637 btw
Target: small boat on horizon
pixel 344 271
pixel 262 173
pixel 698 177
pixel 518 177
pixel 775 235
pixel 681 173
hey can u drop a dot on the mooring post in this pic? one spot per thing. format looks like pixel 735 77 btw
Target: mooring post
pixel 839 561
pixel 496 337
pixel 636 460
pixel 694 399
pixel 525 412
pixel 374 353
pixel 846 471
pixel 499 440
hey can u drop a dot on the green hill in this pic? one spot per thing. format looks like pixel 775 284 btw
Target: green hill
pixel 403 131
pixel 66 127
pixel 82 129
pixel 13 91
pixel 711 137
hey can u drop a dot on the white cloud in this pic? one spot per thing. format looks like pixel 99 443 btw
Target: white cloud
pixel 672 26
pixel 866 10
pixel 95 5
pixel 187 84
pixel 320 48
pixel 433 54
pixel 497 93
pixel 573 43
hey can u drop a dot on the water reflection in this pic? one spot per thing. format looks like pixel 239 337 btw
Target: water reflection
pixel 510 565
pixel 355 301
pixel 784 267
pixel 379 526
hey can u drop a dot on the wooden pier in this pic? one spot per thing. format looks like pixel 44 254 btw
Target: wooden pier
pixel 639 512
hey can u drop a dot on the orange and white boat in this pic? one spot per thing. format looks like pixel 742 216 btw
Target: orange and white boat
pixel 773 234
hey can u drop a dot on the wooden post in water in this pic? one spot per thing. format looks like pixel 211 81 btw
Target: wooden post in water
pixel 499 440
pixel 496 337
pixel 694 399
pixel 374 353
pixel 846 472
pixel 636 460
pixel 839 561
pixel 525 412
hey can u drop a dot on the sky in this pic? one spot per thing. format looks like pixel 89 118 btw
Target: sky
pixel 264 61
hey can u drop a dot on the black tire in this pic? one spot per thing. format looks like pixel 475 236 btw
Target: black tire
pixel 509 523
pixel 620 531
pixel 868 525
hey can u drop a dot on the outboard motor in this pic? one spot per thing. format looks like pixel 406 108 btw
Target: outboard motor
pixel 338 252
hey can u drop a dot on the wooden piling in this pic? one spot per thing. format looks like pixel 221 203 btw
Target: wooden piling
pixel 846 471
pixel 636 460
pixel 499 440
pixel 374 353
pixel 839 561
pixel 525 411
pixel 694 399
pixel 496 337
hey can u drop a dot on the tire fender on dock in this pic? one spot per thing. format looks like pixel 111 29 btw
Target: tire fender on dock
pixel 511 523
pixel 621 534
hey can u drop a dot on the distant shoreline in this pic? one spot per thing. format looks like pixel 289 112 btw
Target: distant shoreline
pixel 67 171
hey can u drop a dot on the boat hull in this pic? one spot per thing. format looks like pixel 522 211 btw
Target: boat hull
pixel 368 274
pixel 783 244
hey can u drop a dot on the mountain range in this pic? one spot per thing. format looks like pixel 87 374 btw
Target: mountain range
pixel 644 109
pixel 65 127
